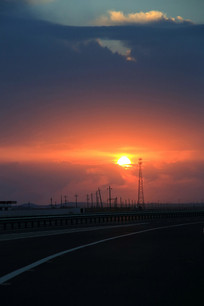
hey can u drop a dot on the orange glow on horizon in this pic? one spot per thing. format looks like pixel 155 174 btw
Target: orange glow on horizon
pixel 80 155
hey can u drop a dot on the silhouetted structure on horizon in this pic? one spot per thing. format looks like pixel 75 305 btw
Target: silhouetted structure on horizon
pixel 140 200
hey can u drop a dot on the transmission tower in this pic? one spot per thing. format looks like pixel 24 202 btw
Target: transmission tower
pixel 140 201
pixel 100 198
pixel 109 192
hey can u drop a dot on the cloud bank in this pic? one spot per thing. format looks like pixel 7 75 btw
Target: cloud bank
pixel 119 18
pixel 36 182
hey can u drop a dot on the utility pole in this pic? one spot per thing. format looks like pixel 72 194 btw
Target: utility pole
pixel 99 192
pixel 109 192
pixel 87 201
pixel 96 198
pixel 92 200
pixel 61 200
pixel 76 196
pixel 140 201
pixel 65 200
pixel 51 201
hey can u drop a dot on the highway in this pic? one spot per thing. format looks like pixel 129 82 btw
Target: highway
pixel 147 263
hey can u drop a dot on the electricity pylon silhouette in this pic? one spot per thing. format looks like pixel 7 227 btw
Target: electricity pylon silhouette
pixel 140 200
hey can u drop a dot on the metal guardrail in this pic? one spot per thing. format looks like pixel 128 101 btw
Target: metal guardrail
pixel 19 223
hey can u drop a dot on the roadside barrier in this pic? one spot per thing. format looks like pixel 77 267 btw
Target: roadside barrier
pixel 22 223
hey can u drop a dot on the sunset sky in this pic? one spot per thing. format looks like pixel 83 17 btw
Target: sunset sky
pixel 83 83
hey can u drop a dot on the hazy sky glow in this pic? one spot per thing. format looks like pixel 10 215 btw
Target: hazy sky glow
pixel 128 80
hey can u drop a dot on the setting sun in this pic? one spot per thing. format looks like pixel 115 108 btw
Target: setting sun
pixel 124 161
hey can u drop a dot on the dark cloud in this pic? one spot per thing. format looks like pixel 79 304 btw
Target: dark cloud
pixel 18 8
pixel 42 62
pixel 38 182
pixel 179 181
pixel 33 48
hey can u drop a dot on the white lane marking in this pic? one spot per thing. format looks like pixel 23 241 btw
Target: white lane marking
pixel 35 264
pixel 6 237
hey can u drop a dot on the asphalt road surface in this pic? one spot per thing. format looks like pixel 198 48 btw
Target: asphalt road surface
pixel 144 264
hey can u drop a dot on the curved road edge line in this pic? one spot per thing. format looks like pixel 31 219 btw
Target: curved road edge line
pixel 37 263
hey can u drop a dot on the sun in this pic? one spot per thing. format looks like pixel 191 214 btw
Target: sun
pixel 124 161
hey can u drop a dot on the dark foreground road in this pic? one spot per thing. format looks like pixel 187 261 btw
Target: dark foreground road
pixel 157 267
